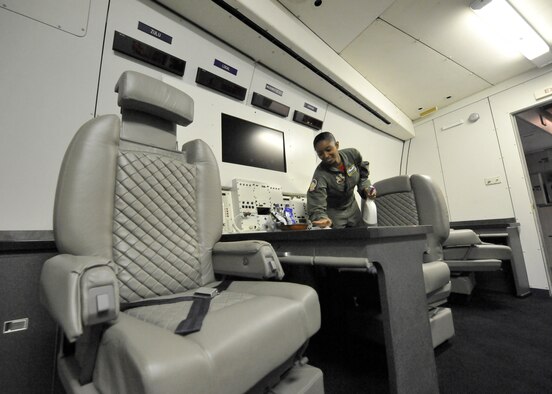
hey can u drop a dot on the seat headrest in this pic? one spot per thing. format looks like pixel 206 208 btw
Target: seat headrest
pixel 139 92
pixel 396 184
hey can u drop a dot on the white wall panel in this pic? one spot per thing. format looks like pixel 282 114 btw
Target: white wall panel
pixel 381 150
pixel 470 154
pixel 48 84
pixel 199 49
pixel 68 15
pixel 422 155
pixel 55 85
pixel 292 96
pixel 188 43
pixel 503 105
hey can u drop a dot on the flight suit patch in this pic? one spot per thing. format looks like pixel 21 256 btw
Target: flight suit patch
pixel 351 170
pixel 313 184
pixel 340 179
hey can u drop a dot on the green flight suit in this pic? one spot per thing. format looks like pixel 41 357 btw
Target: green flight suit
pixel 331 192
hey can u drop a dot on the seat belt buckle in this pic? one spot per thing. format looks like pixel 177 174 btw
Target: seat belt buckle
pixel 206 292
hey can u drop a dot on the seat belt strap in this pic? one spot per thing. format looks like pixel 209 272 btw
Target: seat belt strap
pixel 223 285
pixel 194 320
pixel 138 304
pixel 92 344
pixel 200 307
pixel 201 301
pixel 192 323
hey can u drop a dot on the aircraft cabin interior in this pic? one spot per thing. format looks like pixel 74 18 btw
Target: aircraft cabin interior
pixel 275 196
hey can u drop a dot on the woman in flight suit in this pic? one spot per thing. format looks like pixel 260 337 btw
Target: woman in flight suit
pixel 330 199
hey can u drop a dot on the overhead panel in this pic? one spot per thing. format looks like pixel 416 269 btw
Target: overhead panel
pixel 452 29
pixel 268 33
pixel 412 75
pixel 328 20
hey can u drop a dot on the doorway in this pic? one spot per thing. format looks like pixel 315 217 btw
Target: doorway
pixel 535 131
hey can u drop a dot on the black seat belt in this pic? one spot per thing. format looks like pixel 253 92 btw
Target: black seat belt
pixel 194 320
pixel 91 342
pixel 201 300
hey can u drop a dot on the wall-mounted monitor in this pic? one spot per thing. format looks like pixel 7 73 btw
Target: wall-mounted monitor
pixel 251 144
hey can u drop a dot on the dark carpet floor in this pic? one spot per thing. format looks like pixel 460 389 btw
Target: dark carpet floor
pixel 503 345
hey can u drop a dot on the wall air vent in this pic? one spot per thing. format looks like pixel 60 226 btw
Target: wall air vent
pixel 146 53
pixel 220 84
pixel 258 100
pixel 307 120
pixel 428 111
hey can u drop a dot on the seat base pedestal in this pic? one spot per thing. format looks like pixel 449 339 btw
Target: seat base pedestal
pixel 304 379
pixel 301 379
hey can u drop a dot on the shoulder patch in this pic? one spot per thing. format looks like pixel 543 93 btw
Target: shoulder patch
pixel 313 185
pixel 351 170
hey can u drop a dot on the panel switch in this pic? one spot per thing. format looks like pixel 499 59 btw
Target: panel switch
pixel 102 303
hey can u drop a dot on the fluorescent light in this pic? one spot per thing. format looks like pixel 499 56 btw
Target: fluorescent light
pixel 506 21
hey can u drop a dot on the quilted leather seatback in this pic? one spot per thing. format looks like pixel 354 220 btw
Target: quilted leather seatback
pixel 397 209
pixel 155 237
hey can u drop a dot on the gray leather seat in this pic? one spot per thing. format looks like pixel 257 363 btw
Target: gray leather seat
pixel 413 200
pixel 137 220
pixel 466 254
pixel 462 250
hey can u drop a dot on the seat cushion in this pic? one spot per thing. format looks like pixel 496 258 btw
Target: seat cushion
pixel 436 275
pixel 250 329
pixel 478 252
pixel 474 265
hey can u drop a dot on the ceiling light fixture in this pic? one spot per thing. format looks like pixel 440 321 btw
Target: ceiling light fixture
pixel 507 22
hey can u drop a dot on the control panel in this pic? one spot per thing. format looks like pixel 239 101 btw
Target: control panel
pixel 298 204
pixel 247 206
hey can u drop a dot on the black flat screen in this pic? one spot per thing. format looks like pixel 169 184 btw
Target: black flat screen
pixel 251 144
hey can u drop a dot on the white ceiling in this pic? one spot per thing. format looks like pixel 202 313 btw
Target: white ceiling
pixel 418 54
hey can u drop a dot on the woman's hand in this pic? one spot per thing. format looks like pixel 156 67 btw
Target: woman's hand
pixel 325 222
pixel 370 193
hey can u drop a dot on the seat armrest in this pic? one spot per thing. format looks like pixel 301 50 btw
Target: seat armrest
pixel 464 237
pixel 250 259
pixel 79 291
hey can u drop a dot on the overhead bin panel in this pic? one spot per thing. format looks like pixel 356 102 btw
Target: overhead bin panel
pixel 474 48
pixel 358 14
pixel 271 35
pixel 431 74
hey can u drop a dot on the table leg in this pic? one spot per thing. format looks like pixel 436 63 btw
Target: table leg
pixel 519 271
pixel 407 333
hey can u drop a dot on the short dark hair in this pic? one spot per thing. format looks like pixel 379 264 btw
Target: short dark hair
pixel 324 136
